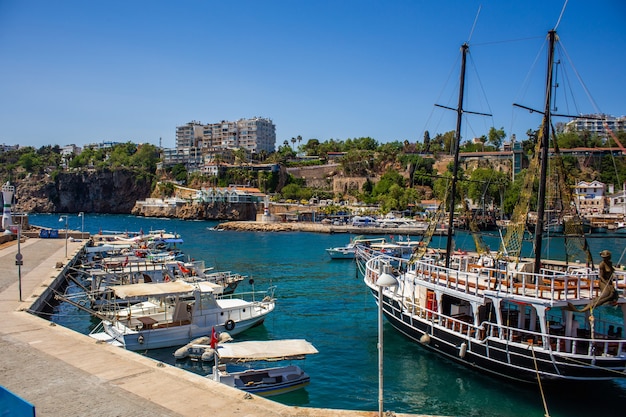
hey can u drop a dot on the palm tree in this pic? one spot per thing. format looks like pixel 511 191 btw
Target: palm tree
pixel 293 141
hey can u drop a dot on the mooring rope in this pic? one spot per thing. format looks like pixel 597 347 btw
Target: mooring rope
pixel 543 396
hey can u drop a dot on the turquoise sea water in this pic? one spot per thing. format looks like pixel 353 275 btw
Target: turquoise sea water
pixel 323 301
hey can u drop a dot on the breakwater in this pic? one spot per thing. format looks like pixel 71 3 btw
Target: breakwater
pixel 256 226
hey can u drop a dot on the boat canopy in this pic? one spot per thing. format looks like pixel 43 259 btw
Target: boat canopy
pixel 156 289
pixel 268 350
pixel 173 240
pixel 106 248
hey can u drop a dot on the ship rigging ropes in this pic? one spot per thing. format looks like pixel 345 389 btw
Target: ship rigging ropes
pixel 430 231
pixel 511 246
pixel 481 247
pixel 576 247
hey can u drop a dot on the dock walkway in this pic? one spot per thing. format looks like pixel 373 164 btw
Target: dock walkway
pixel 65 373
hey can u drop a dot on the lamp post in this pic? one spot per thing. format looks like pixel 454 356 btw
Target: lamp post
pixel 61 219
pixel 18 259
pixel 385 280
pixel 82 226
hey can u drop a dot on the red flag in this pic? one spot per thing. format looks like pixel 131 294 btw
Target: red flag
pixel 213 338
pixel 183 269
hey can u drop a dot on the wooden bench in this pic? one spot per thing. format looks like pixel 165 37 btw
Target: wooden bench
pixel 535 288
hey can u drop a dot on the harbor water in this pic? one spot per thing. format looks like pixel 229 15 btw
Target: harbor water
pixel 325 302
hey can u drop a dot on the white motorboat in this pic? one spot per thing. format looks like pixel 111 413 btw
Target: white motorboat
pixel 348 251
pixel 140 271
pixel 342 252
pixel 177 312
pixel 263 381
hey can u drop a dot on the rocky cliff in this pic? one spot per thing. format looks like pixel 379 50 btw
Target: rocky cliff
pixel 103 191
pixel 114 192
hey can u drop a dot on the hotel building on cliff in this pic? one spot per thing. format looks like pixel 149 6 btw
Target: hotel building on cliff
pixel 204 147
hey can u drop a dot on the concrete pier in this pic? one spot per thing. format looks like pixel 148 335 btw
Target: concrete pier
pixel 65 373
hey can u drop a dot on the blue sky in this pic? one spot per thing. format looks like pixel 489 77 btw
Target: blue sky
pixel 89 71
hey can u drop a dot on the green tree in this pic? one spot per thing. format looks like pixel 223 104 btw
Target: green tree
pixel 512 192
pixel 241 156
pixel 496 136
pixel 427 141
pixel 291 191
pixel 388 179
pixel 487 186
pixel 613 170
pixel 424 173
pixel 311 148
pixel 447 140
pixel 357 162
pixel 120 154
pixel 365 143
pixel 179 172
pixel 29 161
pixel 146 157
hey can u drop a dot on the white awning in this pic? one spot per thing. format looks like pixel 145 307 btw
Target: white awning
pixel 270 350
pixel 152 289
pixel 106 248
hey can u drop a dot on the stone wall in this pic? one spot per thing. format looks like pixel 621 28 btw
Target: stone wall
pixel 318 176
pixel 342 185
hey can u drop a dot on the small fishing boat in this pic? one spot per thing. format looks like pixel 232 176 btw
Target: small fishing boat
pixel 264 381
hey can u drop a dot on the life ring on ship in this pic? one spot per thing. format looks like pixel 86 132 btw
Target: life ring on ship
pixel 230 324
pixel 140 339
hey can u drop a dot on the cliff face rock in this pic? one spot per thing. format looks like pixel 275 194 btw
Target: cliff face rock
pixel 198 211
pixel 107 191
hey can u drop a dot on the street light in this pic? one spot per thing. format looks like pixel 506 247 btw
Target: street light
pixel 82 226
pixel 61 219
pixel 385 280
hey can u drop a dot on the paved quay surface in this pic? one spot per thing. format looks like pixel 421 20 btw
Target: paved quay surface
pixel 65 373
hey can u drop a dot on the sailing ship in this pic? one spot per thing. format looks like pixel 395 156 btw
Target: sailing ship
pixel 527 320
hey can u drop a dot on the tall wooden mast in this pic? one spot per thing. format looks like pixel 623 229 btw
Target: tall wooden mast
pixel 457 145
pixel 545 144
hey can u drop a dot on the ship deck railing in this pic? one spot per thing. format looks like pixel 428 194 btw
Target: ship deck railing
pixel 582 344
pixel 252 296
pixel 548 284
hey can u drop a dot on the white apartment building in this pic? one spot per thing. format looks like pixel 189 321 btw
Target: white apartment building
pixel 197 143
pixel 254 135
pixel 595 123
pixel 189 135
pixel 617 203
